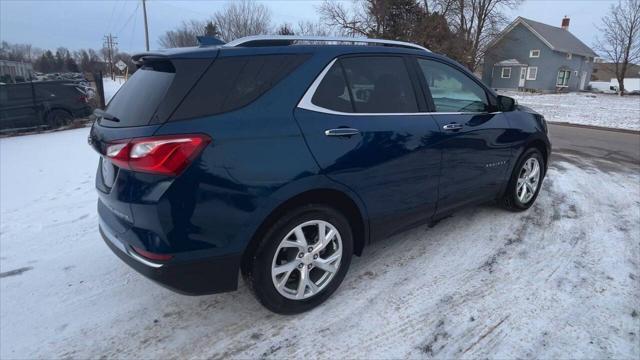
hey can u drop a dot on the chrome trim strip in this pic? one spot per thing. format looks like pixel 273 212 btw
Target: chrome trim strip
pixel 255 38
pixel 122 247
pixel 305 102
pixel 143 260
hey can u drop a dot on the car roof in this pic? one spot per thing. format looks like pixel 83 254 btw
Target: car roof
pixel 260 44
pixel 203 52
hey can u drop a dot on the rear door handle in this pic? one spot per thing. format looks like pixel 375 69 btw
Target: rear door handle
pixel 452 126
pixel 342 132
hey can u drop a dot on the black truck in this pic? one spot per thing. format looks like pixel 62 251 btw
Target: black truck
pixel 42 104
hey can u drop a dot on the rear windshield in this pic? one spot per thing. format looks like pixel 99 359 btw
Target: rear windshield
pixel 234 82
pixel 138 98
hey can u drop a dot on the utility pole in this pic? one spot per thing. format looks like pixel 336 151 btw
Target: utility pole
pixel 146 28
pixel 110 44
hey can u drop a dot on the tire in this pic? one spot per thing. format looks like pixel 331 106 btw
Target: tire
pixel 57 118
pixel 273 252
pixel 513 198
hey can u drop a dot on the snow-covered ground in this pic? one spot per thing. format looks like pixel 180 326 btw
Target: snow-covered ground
pixel 607 110
pixel 558 281
pixel 111 87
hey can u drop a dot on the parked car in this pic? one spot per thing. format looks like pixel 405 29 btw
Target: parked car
pixel 40 104
pixel 259 157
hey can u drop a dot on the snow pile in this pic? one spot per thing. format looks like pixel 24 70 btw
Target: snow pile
pixel 557 281
pixel 111 87
pixel 607 110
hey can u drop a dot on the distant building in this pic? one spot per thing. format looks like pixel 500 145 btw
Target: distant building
pixel 606 71
pixel 10 70
pixel 530 55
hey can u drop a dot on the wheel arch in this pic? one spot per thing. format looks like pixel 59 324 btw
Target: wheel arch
pixel 49 110
pixel 542 147
pixel 325 196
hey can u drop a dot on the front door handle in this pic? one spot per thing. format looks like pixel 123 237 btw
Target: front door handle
pixel 452 126
pixel 342 132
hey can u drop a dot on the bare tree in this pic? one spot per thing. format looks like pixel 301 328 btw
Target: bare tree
pixel 285 29
pixel 242 18
pixel 425 22
pixel 310 28
pixel 15 52
pixel 479 22
pixel 356 21
pixel 183 36
pixel 620 41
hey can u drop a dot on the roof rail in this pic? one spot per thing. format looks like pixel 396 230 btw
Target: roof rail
pixel 277 40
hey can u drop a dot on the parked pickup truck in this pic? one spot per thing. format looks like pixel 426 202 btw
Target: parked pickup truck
pixel 46 104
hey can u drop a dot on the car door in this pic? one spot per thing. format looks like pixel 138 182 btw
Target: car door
pixel 475 150
pixel 368 130
pixel 19 111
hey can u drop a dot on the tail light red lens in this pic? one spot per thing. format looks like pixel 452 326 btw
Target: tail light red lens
pixel 166 155
pixel 152 256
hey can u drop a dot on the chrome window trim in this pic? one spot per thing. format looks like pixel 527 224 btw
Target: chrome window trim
pixel 353 40
pixel 305 102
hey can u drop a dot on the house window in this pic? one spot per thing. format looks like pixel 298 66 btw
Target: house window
pixel 563 78
pixel 534 53
pixel 532 73
pixel 569 56
pixel 506 73
pixel 588 59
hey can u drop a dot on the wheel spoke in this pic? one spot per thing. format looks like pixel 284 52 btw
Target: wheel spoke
pixel 328 264
pixel 535 172
pixel 280 285
pixel 302 284
pixel 288 267
pixel 313 288
pixel 300 236
pixel 522 191
pixel 293 244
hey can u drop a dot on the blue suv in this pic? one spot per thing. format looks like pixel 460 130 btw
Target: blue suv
pixel 280 157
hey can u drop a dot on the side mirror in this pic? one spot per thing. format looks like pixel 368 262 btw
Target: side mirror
pixel 507 103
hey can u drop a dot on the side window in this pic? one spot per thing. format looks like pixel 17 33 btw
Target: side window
pixel 19 93
pixel 233 82
pixel 451 89
pixel 332 93
pixel 380 84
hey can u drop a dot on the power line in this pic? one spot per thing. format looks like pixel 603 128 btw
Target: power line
pixel 133 29
pixel 110 44
pixel 129 18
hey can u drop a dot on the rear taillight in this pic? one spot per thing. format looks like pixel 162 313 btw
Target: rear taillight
pixel 83 99
pixel 167 155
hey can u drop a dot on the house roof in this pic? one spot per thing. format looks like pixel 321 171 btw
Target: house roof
pixel 509 62
pixel 554 37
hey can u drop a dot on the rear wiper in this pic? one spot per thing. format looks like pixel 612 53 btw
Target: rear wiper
pixel 105 115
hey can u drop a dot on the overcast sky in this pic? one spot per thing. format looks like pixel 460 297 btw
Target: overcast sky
pixel 82 24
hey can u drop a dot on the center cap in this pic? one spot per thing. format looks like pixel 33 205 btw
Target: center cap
pixel 307 259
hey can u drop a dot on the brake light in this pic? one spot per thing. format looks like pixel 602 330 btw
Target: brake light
pixel 150 255
pixel 166 155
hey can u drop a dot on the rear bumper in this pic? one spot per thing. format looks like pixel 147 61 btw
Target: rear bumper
pixel 198 277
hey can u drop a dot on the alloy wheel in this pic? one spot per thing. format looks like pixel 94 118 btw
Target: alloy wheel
pixel 306 260
pixel 528 180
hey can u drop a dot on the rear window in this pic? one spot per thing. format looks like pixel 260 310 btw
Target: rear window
pixel 234 82
pixel 138 98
